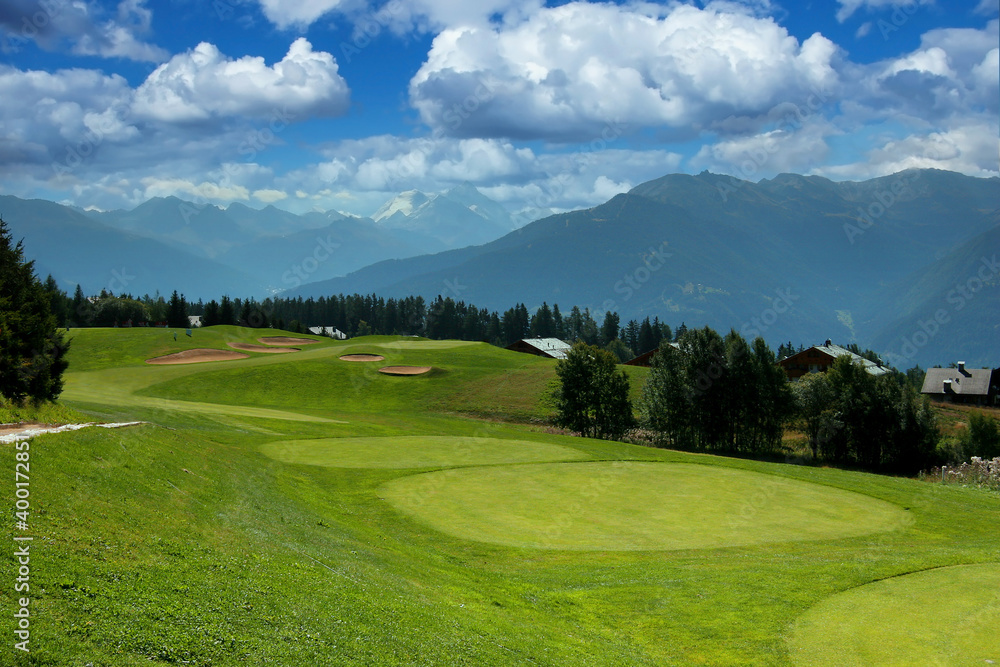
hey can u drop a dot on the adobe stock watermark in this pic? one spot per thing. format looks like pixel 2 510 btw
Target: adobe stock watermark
pixel 454 287
pixel 653 260
pixel 81 150
pixel 792 117
pixel 412 163
pixel 900 16
pixel 556 185
pixel 781 304
pixel 884 200
pixel 117 284
pixel 22 544
pixel 230 10
pixel 300 272
pixel 958 298
pixel 256 141
pixel 368 28
pixel 751 329
pixel 761 500
pixel 34 23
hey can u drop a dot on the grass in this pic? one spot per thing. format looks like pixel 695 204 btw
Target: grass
pixel 945 616
pixel 182 542
pixel 38 413
pixel 626 505
pixel 418 451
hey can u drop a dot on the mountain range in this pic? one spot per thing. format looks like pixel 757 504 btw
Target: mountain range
pixel 204 250
pixel 905 264
pixel 793 258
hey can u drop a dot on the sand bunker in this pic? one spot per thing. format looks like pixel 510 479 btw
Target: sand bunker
pixel 404 370
pixel 248 347
pixel 197 356
pixel 286 340
pixel 362 357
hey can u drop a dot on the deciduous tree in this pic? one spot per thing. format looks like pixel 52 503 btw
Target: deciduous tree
pixel 593 394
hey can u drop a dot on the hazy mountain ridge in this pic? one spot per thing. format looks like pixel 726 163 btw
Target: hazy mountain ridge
pixel 76 249
pixel 270 248
pixel 832 249
pixel 955 299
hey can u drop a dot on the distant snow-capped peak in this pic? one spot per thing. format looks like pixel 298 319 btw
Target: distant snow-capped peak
pixel 405 203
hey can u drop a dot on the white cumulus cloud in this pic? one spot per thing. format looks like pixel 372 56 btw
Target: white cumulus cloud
pixel 203 83
pixel 968 149
pixel 570 70
pixel 300 14
pixel 269 196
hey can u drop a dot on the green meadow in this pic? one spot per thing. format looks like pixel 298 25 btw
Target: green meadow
pixel 298 509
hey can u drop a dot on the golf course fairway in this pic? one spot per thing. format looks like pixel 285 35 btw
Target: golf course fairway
pixel 944 616
pixel 428 451
pixel 628 505
pixel 299 510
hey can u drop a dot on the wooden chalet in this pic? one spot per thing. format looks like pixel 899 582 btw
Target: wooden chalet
pixel 819 359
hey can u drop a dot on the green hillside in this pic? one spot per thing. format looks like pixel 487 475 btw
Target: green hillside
pixel 299 509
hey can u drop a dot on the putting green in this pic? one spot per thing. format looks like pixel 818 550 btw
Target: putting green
pixel 621 505
pixel 945 616
pixel 419 451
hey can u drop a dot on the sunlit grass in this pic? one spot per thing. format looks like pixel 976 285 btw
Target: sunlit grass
pixel 181 541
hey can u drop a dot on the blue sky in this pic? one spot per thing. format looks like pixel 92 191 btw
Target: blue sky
pixel 340 104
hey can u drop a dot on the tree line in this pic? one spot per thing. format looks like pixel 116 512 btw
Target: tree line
pixel 361 315
pixel 723 394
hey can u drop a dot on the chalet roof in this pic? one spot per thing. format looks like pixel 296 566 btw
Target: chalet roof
pixel 838 351
pixel 332 332
pixel 835 351
pixel 646 358
pixel 965 382
pixel 553 347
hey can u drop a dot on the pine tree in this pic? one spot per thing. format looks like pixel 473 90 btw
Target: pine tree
pixel 58 301
pixel 589 332
pixel 32 351
pixel 177 316
pixel 210 317
pixel 82 311
pixel 227 311
pixel 647 339
pixel 630 336
pixel 609 328
pixel 542 323
pixel 557 321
